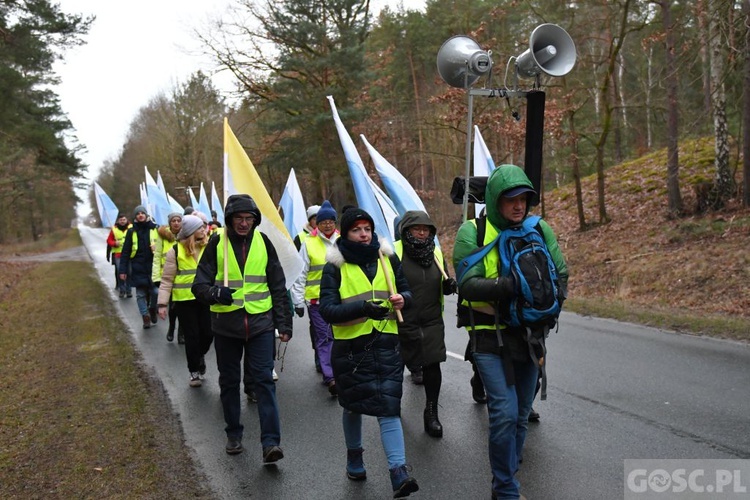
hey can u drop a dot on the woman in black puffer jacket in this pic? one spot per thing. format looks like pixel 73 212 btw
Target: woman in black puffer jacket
pixel 366 362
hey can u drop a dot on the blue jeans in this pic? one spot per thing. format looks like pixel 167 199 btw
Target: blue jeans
pixel 146 297
pixel 259 351
pixel 508 408
pixel 391 435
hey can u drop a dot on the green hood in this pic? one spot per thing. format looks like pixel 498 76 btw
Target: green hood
pixel 501 179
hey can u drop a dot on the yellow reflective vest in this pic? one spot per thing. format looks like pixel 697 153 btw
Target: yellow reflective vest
pixel 491 263
pixel 355 287
pixel 153 235
pixel 251 287
pixel 316 252
pixel 119 238
pixel 183 280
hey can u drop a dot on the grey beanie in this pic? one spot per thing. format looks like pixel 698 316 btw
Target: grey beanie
pixel 173 215
pixel 139 208
pixel 190 224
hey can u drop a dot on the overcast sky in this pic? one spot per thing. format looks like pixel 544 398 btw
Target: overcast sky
pixel 134 51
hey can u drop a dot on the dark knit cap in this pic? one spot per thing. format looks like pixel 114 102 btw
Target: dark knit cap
pixel 326 212
pixel 351 216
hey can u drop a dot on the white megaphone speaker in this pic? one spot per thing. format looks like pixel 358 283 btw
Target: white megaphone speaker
pixel 551 51
pixel 461 61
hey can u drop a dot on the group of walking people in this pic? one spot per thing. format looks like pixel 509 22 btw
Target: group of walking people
pixel 373 307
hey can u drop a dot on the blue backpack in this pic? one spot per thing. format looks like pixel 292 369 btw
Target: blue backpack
pixel 524 256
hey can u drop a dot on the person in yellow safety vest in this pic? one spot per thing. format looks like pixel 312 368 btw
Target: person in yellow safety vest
pixel 115 240
pixel 166 239
pixel 136 262
pixel 247 306
pixel 360 292
pixel 306 289
pixel 422 333
pixel 180 266
pixel 312 213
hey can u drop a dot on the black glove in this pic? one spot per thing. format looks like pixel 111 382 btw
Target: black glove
pixel 449 286
pixel 375 311
pixel 223 295
pixel 300 311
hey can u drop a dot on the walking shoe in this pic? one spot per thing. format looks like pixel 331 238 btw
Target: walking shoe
pixel 195 379
pixel 403 484
pixel 234 446
pixel 154 315
pixel 146 321
pixel 355 466
pixel 417 378
pixel 533 416
pixel 272 454
pixel 477 390
pixel 170 333
pixel 251 397
pixel 332 389
pixel 275 375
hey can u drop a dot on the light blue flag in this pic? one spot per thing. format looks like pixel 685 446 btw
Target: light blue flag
pixel 483 163
pixel 107 208
pixel 159 207
pixel 176 207
pixel 193 201
pixel 144 197
pixel 203 206
pixel 295 215
pixel 369 195
pixel 216 204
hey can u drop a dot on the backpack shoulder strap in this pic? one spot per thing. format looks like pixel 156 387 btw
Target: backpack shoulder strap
pixel 481 230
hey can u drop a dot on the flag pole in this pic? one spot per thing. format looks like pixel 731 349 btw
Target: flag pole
pixel 440 266
pixel 226 232
pixel 389 282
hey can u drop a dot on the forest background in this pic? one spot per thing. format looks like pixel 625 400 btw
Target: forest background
pixel 663 81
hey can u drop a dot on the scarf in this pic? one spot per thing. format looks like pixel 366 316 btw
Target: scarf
pixel 420 251
pixel 357 253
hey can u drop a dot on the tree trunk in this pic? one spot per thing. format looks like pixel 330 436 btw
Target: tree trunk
pixel 746 112
pixel 723 181
pixel 673 166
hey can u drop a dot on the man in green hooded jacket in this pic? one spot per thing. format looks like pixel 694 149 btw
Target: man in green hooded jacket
pixel 500 352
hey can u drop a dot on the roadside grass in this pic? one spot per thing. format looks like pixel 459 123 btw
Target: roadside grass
pixel 53 242
pixel 80 416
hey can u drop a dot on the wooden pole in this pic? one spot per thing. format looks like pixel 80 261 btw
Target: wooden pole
pixel 389 282
pixel 440 266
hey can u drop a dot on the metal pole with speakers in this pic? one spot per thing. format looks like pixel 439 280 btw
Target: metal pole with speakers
pixel 461 62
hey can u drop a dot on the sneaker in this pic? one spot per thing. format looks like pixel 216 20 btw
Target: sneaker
pixel 272 454
pixel 195 379
pixel 234 446
pixel 275 375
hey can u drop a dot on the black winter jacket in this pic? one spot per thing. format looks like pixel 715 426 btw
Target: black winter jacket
pixel 138 268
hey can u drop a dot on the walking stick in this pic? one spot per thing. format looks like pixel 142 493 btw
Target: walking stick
pixel 389 282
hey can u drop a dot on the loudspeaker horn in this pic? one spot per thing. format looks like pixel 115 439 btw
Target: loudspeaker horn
pixel 551 51
pixel 461 61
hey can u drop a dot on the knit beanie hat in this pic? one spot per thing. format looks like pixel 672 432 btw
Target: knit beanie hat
pixel 326 212
pixel 312 211
pixel 190 224
pixel 351 216
pixel 201 216
pixel 139 208
pixel 188 210
pixel 173 215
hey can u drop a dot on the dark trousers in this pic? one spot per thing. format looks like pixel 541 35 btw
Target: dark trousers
pixel 195 322
pixel 259 351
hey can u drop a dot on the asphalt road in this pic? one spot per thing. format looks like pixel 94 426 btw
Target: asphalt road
pixel 616 391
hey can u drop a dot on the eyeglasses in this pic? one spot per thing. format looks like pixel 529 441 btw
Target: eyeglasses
pixel 327 223
pixel 246 220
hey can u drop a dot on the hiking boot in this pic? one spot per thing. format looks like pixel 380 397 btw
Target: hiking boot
pixel 533 416
pixel 234 446
pixel 154 315
pixel 332 389
pixel 403 484
pixel 432 425
pixel 417 378
pixel 195 379
pixel 477 390
pixel 355 466
pixel 180 336
pixel 146 321
pixel 272 454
